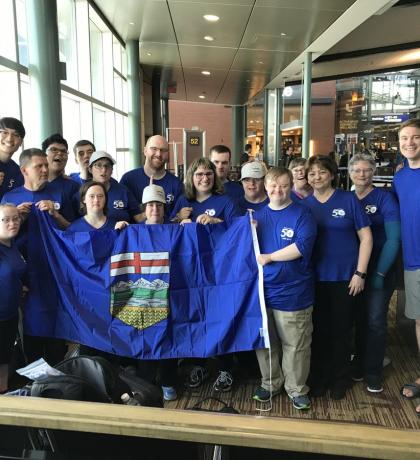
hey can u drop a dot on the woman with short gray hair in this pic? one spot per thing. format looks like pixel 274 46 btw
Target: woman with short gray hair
pixel 371 315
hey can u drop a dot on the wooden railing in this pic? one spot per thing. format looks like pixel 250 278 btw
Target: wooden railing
pixel 226 429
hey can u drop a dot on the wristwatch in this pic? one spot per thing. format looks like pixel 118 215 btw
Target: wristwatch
pixel 362 275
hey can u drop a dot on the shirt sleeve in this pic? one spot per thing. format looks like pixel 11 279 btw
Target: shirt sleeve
pixel 390 209
pixel 306 231
pixel 360 218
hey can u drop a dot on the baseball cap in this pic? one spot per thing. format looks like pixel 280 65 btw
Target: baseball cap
pixel 153 193
pixel 253 170
pixel 100 154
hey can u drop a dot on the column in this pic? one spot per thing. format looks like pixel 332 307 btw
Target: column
pixel 238 132
pixel 44 67
pixel 307 81
pixel 279 121
pixel 134 104
pixel 156 104
pixel 266 121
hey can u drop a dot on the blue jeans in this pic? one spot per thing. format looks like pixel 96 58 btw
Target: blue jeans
pixel 371 327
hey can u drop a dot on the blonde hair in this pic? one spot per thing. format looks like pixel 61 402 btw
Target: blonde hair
pixel 276 172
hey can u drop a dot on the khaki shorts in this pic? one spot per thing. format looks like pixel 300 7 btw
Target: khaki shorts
pixel 412 293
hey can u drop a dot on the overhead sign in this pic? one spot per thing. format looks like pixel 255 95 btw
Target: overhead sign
pixel 391 118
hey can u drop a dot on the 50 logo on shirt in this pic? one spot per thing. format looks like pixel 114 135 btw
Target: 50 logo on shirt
pixel 370 209
pixel 170 198
pixel 210 212
pixel 118 204
pixel 338 212
pixel 287 233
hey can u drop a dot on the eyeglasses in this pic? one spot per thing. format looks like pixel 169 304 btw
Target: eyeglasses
pixel 359 171
pixel 200 175
pixel 5 133
pixel 57 150
pixel 7 220
pixel 102 165
pixel 156 149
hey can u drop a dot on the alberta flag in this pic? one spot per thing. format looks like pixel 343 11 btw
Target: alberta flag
pixel 149 291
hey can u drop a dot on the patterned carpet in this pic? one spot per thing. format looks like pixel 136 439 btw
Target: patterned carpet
pixel 387 409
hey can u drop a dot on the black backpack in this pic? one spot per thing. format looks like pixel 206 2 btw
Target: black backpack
pixel 85 378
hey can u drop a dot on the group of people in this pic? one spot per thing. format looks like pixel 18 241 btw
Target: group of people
pixel 328 255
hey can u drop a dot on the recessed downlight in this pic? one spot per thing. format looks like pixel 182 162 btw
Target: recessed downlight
pixel 205 72
pixel 201 96
pixel 211 17
pixel 148 53
pixel 209 38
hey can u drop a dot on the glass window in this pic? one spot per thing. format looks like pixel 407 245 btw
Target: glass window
pixel 96 61
pixel 22 32
pixel 9 93
pixel 7 31
pixel 67 40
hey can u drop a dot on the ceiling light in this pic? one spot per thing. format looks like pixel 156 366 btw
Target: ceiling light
pixel 211 17
pixel 131 23
pixel 201 96
pixel 283 34
pixel 148 53
pixel 209 38
pixel 260 62
pixel 205 72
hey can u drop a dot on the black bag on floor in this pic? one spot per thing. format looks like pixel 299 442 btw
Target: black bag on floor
pixel 86 378
pixel 144 392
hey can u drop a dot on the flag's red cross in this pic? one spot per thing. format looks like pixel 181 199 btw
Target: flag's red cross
pixel 138 263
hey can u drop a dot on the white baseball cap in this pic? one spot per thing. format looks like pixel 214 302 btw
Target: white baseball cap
pixel 253 170
pixel 153 193
pixel 100 154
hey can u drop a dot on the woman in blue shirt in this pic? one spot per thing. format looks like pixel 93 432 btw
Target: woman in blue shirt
pixel 372 309
pixel 204 202
pixel 93 206
pixel 341 256
pixel 12 269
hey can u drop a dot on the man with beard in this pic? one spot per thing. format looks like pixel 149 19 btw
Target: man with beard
pixel 156 153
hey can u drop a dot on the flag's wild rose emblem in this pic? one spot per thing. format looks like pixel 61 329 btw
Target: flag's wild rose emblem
pixel 140 303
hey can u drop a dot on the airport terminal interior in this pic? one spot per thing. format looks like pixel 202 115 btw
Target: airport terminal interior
pixel 319 77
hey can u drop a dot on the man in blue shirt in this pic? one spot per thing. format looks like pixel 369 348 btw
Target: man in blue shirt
pixel 220 156
pixel 252 178
pixel 286 234
pixel 12 133
pixel 82 150
pixel 407 188
pixel 156 153
pixel 56 148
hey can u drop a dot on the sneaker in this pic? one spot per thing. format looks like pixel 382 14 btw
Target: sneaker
pixel 263 395
pixel 169 393
pixel 197 376
pixel 374 385
pixel 223 382
pixel 301 402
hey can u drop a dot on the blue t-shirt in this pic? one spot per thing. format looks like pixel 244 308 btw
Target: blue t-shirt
pixel 288 286
pixel 12 271
pixel 407 189
pixel 12 177
pixel 381 206
pixel 76 177
pixel 82 225
pixel 336 249
pixel 243 205
pixel 136 180
pixel 50 192
pixel 219 206
pixel 67 187
pixel 121 203
pixel 233 190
